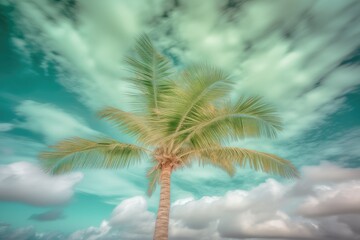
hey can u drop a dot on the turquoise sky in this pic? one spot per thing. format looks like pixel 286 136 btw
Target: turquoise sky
pixel 61 62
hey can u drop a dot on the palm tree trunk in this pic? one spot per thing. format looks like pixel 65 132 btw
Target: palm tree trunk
pixel 162 220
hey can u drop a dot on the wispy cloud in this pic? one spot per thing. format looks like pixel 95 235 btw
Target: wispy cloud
pixel 4 127
pixel 50 121
pixel 293 58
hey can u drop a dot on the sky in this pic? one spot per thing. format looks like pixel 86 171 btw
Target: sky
pixel 62 61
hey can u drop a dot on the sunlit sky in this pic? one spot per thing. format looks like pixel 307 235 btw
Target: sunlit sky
pixel 62 61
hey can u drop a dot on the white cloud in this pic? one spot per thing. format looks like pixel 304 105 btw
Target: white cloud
pixel 27 183
pixel 324 174
pixel 92 233
pixel 340 199
pixel 50 121
pixel 4 127
pixel 269 211
pixel 91 47
pixel 290 57
pixel 330 173
pixel 129 220
pixel 133 214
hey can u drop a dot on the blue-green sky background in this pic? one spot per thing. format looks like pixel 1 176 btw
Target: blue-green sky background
pixel 61 61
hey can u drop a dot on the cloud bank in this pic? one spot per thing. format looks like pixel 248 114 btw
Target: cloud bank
pixel 328 209
pixel 272 210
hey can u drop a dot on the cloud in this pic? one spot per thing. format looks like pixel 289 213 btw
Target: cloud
pixel 293 58
pixel 340 199
pixel 27 183
pixel 6 232
pixel 325 173
pixel 10 233
pixel 268 211
pixel 50 215
pixel 89 44
pixel 92 233
pixel 50 121
pixel 4 127
pixel 129 220
pixel 328 211
pixel 330 173
pixel 132 214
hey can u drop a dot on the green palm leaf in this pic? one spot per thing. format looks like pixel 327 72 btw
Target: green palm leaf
pixel 133 124
pixel 248 117
pixel 78 153
pixel 242 157
pixel 153 176
pixel 150 70
pixel 200 84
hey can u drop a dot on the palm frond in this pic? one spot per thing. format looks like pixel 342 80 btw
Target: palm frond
pixel 242 157
pixel 132 124
pixel 153 176
pixel 200 84
pixel 226 166
pixel 78 153
pixel 248 117
pixel 150 69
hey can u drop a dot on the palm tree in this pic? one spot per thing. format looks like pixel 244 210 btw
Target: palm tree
pixel 178 119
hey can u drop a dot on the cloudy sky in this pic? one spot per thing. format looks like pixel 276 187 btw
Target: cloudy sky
pixel 61 61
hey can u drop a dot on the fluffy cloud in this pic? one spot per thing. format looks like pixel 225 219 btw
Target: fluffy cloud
pixel 340 199
pixel 271 211
pixel 329 210
pixel 132 214
pixel 50 121
pixel 27 183
pixel 129 220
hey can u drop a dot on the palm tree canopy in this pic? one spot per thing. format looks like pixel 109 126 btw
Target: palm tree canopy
pixel 178 118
